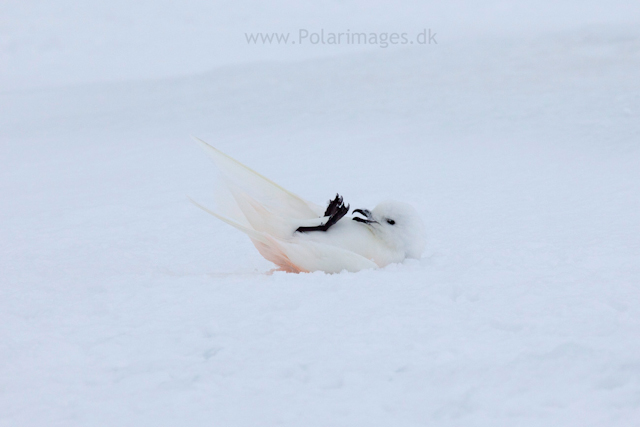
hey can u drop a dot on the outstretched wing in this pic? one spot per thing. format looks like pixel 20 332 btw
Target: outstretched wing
pixel 269 194
pixel 270 216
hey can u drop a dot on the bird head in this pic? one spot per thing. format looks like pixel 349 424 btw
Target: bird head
pixel 398 225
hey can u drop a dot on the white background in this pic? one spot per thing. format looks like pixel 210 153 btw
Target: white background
pixel 516 138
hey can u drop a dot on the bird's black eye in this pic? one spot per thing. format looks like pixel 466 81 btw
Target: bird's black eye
pixel 390 221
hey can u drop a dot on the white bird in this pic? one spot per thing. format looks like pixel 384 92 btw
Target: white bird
pixel 300 236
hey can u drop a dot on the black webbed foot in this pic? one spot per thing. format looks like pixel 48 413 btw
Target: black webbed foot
pixel 335 211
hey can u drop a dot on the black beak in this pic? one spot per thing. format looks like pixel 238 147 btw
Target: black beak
pixel 366 213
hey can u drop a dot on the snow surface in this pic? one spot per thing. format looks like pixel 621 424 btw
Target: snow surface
pixel 123 304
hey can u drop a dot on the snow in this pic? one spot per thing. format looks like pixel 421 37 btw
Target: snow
pixel 123 304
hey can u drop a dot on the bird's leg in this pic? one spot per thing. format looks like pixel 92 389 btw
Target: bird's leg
pixel 335 211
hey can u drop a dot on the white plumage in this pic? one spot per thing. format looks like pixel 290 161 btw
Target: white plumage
pixel 271 216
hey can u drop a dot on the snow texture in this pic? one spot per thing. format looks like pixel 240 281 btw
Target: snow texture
pixel 516 137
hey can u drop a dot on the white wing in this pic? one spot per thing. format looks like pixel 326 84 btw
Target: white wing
pixel 278 200
pixel 260 218
pixel 270 215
